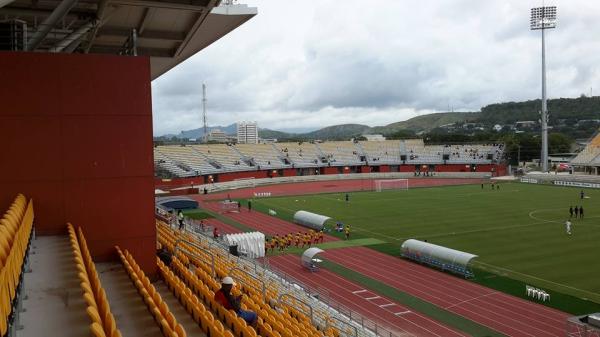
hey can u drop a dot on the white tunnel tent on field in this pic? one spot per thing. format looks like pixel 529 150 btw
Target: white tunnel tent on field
pixel 441 257
pixel 310 220
pixel 309 259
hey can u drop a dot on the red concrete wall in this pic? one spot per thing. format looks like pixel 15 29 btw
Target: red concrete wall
pixel 76 136
pixel 289 172
pixel 365 169
pixel 453 168
pixel 330 170
pixel 223 177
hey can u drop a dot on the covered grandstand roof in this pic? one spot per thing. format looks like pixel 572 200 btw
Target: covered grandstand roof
pixel 168 31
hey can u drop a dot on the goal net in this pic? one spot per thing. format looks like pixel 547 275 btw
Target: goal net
pixel 391 184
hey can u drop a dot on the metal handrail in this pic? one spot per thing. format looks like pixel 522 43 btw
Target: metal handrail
pixel 212 256
pixel 345 323
pixel 310 314
pixel 264 288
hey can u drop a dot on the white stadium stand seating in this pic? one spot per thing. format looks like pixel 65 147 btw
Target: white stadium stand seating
pixel 194 160
pixel 589 155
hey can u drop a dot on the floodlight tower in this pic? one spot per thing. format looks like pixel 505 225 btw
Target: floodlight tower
pixel 543 18
pixel 204 110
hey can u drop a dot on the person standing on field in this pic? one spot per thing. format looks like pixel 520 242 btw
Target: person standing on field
pixel 570 212
pixel 580 212
pixel 568 226
pixel 576 212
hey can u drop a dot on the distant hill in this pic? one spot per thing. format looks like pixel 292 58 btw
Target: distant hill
pixel 270 134
pixel 566 116
pixel 338 132
pixel 426 122
pixel 199 132
pixel 575 109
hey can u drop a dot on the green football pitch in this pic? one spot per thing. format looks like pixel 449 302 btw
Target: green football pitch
pixel 518 231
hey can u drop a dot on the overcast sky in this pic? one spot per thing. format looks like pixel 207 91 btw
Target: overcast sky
pixel 313 63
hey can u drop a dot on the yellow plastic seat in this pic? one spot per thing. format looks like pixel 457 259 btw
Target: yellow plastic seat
pixel 97 330
pixel 94 316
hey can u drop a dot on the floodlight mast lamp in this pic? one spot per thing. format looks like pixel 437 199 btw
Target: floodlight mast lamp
pixel 543 18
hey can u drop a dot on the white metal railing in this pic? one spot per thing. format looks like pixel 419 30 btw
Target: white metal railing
pixel 249 183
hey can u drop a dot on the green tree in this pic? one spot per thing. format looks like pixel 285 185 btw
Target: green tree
pixel 559 143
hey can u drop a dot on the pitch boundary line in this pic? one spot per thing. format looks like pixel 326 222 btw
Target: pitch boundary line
pixel 538 278
pixel 471 299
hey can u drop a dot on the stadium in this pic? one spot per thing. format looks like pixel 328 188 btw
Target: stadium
pixel 106 233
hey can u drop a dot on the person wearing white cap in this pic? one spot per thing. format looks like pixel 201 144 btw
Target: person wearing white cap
pixel 224 297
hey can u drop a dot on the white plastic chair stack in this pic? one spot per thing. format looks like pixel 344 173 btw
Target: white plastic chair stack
pixel 537 294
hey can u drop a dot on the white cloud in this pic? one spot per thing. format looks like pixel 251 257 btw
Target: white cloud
pixel 322 62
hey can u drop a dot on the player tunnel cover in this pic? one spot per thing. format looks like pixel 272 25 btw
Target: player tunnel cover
pixel 310 220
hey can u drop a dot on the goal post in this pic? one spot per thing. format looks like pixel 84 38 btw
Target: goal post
pixel 391 184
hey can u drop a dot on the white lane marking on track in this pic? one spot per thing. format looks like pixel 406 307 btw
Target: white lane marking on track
pixel 359 291
pixel 387 305
pixel 372 298
pixel 402 313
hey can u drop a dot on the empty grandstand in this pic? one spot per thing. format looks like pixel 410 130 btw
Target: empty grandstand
pixel 212 159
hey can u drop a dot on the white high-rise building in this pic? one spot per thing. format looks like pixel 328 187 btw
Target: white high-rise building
pixel 247 133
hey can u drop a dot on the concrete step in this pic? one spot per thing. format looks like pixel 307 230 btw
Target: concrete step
pixel 128 307
pixel 55 305
pixel 192 328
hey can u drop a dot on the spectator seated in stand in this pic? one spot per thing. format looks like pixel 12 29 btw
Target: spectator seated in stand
pixel 225 298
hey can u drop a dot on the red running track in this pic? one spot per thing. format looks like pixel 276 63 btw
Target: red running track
pixel 262 222
pixel 505 313
pixel 369 304
pixel 331 186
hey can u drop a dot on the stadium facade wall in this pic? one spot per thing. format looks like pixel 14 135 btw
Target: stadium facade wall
pixel 76 136
pixel 224 177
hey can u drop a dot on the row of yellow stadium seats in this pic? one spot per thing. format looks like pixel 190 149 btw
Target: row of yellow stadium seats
pixel 192 290
pixel 205 318
pixel 248 284
pixel 10 222
pixel 222 265
pixel 271 323
pixel 98 309
pixel 159 308
pixel 222 262
pixel 15 232
pixel 221 273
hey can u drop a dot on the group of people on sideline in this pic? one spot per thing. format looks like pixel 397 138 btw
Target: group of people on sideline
pixel 299 240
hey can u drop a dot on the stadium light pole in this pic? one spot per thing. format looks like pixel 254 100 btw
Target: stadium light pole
pixel 543 18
